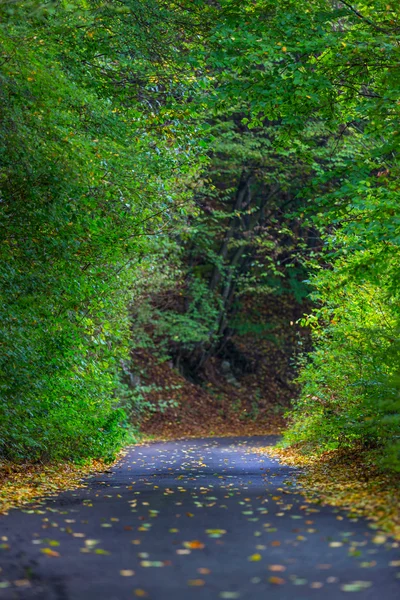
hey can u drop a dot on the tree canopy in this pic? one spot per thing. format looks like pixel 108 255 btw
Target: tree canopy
pixel 211 153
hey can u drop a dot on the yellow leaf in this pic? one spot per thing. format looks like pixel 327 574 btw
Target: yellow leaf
pixel 255 557
pixel 379 539
pixel 49 552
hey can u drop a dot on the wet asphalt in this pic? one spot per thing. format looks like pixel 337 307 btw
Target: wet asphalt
pixel 197 519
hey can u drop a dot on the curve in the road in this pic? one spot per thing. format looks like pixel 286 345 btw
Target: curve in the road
pixel 194 519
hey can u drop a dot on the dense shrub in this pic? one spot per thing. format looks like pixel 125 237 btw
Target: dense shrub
pixel 83 180
pixel 350 383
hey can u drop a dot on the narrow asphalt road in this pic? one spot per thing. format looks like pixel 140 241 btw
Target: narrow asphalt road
pixel 195 519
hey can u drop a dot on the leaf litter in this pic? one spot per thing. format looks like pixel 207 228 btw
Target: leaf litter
pixel 279 543
pixel 346 480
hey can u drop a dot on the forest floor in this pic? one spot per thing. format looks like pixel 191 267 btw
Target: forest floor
pixel 244 391
pixel 210 518
pixel 348 479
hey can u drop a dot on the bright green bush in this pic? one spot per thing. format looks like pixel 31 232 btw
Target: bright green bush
pixel 84 176
pixel 332 69
pixel 350 383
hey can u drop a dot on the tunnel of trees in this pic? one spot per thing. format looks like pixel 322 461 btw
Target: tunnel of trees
pixel 206 191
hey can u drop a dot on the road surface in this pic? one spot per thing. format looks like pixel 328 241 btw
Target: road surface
pixel 193 520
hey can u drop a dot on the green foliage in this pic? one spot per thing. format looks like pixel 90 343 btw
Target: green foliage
pixel 194 326
pixel 345 78
pixel 85 176
pixel 350 391
pixel 108 111
pixel 320 80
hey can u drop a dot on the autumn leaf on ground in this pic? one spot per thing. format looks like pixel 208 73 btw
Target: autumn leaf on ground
pixel 194 545
pixel 49 552
pixel 22 583
pixel 355 586
pixel 152 563
pixel 276 568
pixel 215 533
pixel 196 582
pixel 276 580
pixel 91 543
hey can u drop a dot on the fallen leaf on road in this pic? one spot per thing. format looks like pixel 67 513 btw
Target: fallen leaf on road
pixel 355 586
pixel 151 563
pixel 91 543
pixel 379 539
pixel 215 533
pixel 276 580
pixel 196 582
pixel 49 552
pixel 22 583
pixel 194 545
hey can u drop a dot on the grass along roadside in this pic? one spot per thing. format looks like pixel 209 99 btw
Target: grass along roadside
pixel 348 480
